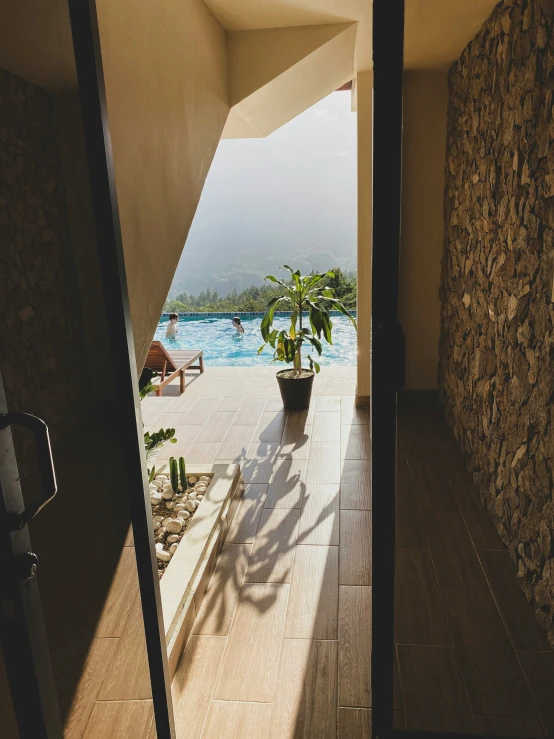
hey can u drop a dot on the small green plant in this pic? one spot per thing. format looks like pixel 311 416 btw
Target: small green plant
pixel 183 473
pixel 153 443
pixel 174 474
pixel 309 295
pixel 146 390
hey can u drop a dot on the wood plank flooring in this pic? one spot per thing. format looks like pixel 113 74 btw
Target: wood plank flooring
pixel 282 645
pixel 470 654
pixel 286 651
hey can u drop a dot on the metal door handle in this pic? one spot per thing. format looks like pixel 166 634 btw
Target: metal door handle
pixel 16 521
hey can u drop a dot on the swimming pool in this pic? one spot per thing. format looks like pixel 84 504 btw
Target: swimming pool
pixel 223 347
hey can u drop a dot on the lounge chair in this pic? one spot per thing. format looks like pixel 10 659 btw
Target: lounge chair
pixel 170 364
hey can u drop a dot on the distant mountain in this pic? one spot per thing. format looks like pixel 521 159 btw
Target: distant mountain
pixel 198 272
pixel 289 198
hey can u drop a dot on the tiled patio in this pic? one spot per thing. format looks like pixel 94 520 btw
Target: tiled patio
pixel 281 646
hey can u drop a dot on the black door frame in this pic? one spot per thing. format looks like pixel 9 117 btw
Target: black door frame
pixel 388 62
pixel 387 376
pixel 90 75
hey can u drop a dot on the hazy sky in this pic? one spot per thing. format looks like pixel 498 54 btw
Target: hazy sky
pixel 290 196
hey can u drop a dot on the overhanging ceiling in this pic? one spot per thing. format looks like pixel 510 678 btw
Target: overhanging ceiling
pixel 275 74
pixel 437 31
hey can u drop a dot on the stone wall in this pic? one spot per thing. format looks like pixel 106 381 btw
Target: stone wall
pixel 497 320
pixel 40 338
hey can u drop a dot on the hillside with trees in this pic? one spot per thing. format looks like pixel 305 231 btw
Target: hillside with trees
pixel 256 298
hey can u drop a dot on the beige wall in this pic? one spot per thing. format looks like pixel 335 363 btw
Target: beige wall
pixel 166 84
pixel 425 101
pixel 364 98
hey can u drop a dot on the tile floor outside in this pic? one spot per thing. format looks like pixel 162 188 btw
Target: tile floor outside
pixel 281 645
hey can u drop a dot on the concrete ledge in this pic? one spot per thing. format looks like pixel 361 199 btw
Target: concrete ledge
pixel 186 579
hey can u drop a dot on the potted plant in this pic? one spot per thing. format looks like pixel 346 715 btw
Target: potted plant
pixel 301 295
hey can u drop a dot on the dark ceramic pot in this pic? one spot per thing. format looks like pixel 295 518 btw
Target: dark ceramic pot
pixel 295 391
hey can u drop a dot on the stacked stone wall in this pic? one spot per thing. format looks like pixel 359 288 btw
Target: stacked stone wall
pixel 496 370
pixel 41 345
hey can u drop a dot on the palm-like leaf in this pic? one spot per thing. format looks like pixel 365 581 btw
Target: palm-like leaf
pixel 304 293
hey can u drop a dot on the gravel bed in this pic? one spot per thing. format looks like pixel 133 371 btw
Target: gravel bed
pixel 172 512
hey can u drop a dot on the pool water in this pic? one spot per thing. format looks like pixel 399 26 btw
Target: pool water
pixel 223 347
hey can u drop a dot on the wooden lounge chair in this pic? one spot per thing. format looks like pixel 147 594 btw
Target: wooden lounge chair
pixel 170 364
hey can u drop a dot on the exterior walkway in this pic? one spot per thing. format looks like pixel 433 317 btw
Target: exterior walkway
pixel 281 646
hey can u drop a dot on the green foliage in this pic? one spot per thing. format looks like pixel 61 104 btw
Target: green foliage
pixel 174 474
pixel 152 474
pixel 256 298
pixel 175 306
pixel 183 473
pixel 311 294
pixel 344 287
pixel 147 389
pixel 153 442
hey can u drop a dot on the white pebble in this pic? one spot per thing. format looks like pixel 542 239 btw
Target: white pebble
pixel 159 546
pixel 161 478
pixel 192 479
pixel 170 505
pixel 157 525
pixel 173 548
pixel 192 496
pixel 163 556
pixel 167 494
pixel 172 539
pixel 158 518
pixel 190 506
pixel 184 514
pixel 174 525
pixel 166 520
pixel 180 507
pixel 156 498
pixel 205 478
pixel 161 531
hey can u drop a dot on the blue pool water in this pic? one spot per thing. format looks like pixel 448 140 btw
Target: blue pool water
pixel 223 347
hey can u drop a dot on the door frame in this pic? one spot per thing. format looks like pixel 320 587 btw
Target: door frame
pixel 388 355
pixel 92 92
pixel 388 63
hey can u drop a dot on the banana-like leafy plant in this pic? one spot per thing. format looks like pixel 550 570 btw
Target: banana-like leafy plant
pixel 309 295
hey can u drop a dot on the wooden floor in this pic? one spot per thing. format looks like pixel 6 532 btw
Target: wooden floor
pixel 281 646
pixel 470 654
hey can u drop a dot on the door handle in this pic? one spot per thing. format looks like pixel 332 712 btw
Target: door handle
pixel 16 521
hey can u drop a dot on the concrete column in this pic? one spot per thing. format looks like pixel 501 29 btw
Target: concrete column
pixel 364 96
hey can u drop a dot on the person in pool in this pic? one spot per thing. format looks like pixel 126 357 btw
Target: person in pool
pixel 171 331
pixel 237 325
